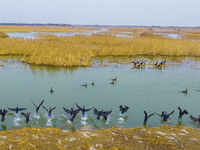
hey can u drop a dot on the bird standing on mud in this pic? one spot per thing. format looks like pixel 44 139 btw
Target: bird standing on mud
pixel 37 108
pixel 3 113
pixel 123 109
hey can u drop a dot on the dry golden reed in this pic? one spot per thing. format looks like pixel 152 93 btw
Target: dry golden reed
pixel 80 50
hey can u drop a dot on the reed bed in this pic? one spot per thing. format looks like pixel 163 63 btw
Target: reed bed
pixel 81 50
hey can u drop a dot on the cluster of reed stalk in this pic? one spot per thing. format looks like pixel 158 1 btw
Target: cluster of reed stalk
pixel 81 50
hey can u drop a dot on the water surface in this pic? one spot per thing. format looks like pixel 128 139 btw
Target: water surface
pixel 146 88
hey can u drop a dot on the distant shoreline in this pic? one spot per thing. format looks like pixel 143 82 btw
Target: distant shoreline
pixel 55 24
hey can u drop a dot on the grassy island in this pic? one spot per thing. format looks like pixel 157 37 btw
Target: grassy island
pixel 80 50
pixel 163 137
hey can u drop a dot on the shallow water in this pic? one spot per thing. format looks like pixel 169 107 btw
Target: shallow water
pixel 146 88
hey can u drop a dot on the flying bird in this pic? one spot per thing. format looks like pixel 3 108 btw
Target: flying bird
pixel 37 108
pixel 181 113
pixel 195 119
pixel 16 109
pixel 73 116
pixel 146 117
pixel 71 112
pixel 49 111
pixel 101 113
pixel 3 113
pixel 83 109
pixel 27 116
pixel 164 115
pixel 123 109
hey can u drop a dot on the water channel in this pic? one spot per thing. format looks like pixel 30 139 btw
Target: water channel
pixel 145 88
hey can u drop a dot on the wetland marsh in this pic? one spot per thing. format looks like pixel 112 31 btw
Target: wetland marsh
pixel 32 66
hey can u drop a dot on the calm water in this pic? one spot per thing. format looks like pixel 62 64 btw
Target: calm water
pixel 140 89
pixel 33 35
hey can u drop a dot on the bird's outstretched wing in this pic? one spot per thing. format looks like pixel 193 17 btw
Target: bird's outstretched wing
pixel 159 114
pixel 45 108
pixel 53 108
pixel 33 103
pixel 150 115
pixel 24 114
pixel 12 109
pixel 106 113
pixel 79 107
pixel 74 115
pixel 67 110
pixel 20 109
pixel 145 113
pixel 40 104
pixel 179 108
pixel 171 112
pixel 89 109
pixel 126 108
pixel 194 119
pixel 1 111
pixel 120 108
pixel 96 112
pixel 185 112
pixel 77 110
pixel 5 111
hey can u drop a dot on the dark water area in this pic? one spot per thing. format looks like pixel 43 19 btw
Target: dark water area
pixel 140 88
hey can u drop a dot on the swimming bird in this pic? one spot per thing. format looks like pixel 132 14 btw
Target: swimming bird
pixel 92 82
pixel 51 90
pixel 164 61
pixel 2 65
pixel 146 117
pixel 71 112
pixel 134 62
pixel 181 113
pixel 49 111
pixel 3 113
pixel 185 91
pixel 112 82
pixel 123 110
pixel 164 115
pixel 16 109
pixel 115 79
pixel 27 116
pixel 73 116
pixel 84 84
pixel 101 113
pixel 195 119
pixel 83 109
pixel 37 108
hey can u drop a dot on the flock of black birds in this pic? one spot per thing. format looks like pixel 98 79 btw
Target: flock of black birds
pixel 72 113
pixel 138 64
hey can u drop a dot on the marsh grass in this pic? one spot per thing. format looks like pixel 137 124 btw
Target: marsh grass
pixel 80 50
pixel 3 35
pixel 163 137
